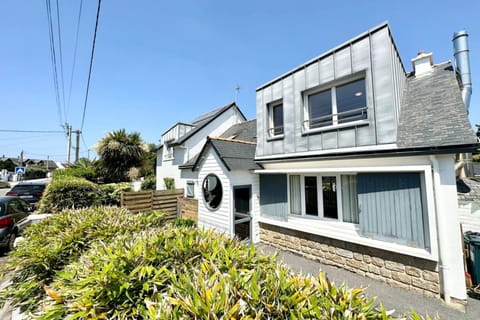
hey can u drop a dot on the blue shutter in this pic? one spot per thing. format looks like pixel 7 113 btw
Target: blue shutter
pixel 273 196
pixel 391 207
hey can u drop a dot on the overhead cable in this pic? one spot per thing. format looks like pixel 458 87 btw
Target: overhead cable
pixel 74 54
pixel 91 64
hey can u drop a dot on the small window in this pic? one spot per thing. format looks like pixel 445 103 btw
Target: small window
pixel 212 191
pixel 168 152
pixel 337 105
pixel 275 126
pixel 190 189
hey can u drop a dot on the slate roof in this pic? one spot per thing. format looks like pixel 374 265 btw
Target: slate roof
pixel 245 131
pixel 235 147
pixel 433 113
pixel 204 120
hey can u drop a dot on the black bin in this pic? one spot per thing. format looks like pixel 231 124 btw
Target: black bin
pixel 472 243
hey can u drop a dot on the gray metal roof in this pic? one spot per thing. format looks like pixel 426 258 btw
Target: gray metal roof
pixel 433 113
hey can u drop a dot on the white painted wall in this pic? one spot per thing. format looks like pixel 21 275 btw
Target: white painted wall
pixel 191 147
pixel 219 219
pixel 222 218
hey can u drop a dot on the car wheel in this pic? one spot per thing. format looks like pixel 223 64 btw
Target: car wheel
pixel 11 241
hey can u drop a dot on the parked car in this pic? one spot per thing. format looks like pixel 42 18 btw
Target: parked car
pixel 28 191
pixel 13 211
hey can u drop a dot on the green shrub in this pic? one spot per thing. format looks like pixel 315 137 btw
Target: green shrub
pixel 61 239
pixel 184 223
pixel 69 193
pixel 169 183
pixel 87 173
pixel 106 263
pixel 4 184
pixel 476 158
pixel 149 183
pixel 35 172
pixel 111 193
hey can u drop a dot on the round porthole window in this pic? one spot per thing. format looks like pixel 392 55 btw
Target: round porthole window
pixel 212 191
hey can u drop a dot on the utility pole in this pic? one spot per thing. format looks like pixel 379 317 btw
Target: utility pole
pixel 77 147
pixel 69 142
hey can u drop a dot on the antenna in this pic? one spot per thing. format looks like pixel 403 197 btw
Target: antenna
pixel 237 92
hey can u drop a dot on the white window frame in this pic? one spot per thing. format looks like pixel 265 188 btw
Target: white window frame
pixel 168 152
pixel 332 87
pixel 190 183
pixel 319 197
pixel 270 125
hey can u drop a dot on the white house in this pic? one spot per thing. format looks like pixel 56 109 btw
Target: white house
pixel 227 183
pixel 358 160
pixel 355 165
pixel 183 141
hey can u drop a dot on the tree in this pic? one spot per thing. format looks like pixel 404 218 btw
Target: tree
pixel 119 152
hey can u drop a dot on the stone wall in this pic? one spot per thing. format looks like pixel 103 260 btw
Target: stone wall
pixel 398 270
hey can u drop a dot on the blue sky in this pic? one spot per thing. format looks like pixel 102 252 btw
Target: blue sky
pixel 159 62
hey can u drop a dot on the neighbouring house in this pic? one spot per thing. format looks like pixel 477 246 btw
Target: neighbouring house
pixel 224 174
pixel 358 160
pixel 183 141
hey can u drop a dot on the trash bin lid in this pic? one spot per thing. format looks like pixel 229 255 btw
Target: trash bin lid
pixel 473 237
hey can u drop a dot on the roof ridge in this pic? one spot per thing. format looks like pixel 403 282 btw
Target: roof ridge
pixel 231 140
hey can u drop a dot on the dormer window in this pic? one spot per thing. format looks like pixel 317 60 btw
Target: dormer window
pixel 337 105
pixel 275 119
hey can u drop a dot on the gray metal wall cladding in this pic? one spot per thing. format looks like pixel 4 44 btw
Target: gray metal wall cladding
pixel 376 56
pixel 273 196
pixel 391 206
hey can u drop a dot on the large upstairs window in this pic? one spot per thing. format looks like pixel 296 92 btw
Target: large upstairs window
pixel 345 103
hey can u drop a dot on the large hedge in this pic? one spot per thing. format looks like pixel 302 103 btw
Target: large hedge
pixel 106 263
pixel 83 172
pixel 69 193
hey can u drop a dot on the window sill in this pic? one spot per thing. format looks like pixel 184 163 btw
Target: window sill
pixel 345 232
pixel 358 123
pixel 277 137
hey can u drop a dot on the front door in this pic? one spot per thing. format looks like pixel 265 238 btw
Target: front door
pixel 241 215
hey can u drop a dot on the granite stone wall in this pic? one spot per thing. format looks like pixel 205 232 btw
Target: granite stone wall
pixel 398 270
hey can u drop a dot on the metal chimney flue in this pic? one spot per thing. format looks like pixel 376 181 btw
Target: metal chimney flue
pixel 462 63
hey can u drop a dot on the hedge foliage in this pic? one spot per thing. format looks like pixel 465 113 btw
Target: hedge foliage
pixel 62 239
pixel 110 195
pixel 82 172
pixel 106 263
pixel 69 193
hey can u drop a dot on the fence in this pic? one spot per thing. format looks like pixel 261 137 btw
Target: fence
pixel 188 208
pixel 162 200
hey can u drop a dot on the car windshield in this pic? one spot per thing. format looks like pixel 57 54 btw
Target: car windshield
pixel 2 209
pixel 28 188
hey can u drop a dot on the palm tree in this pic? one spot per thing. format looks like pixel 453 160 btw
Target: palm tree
pixel 119 152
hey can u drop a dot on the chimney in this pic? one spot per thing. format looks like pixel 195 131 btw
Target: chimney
pixel 462 64
pixel 422 63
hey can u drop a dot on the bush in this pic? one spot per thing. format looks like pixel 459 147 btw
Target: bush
pixel 87 173
pixel 4 184
pixel 169 183
pixel 69 193
pixel 184 223
pixel 149 183
pixel 35 172
pixel 60 240
pixel 111 193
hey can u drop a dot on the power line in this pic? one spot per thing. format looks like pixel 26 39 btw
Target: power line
pixel 54 61
pixel 31 131
pixel 59 29
pixel 74 54
pixel 91 64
